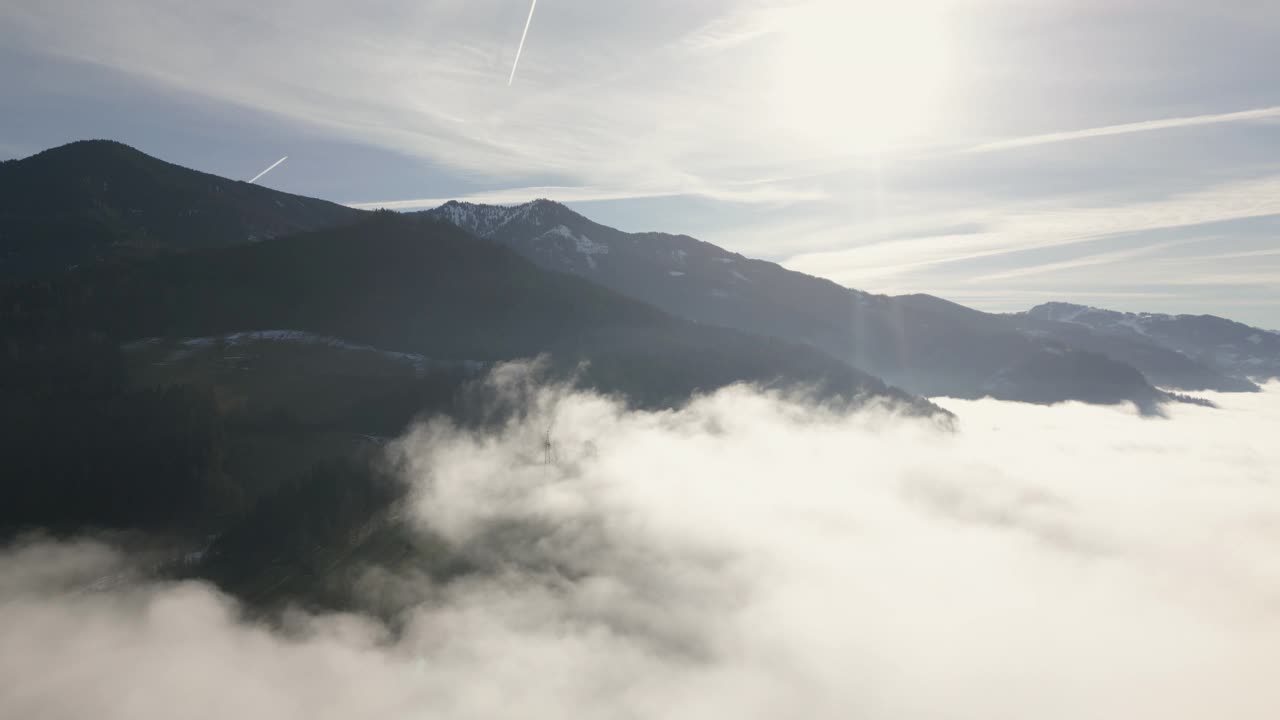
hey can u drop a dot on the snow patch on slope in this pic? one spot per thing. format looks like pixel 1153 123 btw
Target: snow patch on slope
pixel 583 245
pixel 1133 324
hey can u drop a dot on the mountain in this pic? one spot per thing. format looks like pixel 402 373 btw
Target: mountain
pixel 1195 348
pixel 921 343
pixel 96 200
pixel 218 382
pixel 218 366
pixel 412 286
pixel 236 400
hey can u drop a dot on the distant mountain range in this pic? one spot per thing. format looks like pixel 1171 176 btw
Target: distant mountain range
pixel 919 342
pixel 1192 344
pixel 96 203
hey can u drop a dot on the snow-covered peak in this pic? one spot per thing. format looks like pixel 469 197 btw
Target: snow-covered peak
pixel 487 220
pixel 581 243
pixel 482 220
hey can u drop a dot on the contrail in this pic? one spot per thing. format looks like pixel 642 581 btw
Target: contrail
pixel 1135 127
pixel 520 49
pixel 264 172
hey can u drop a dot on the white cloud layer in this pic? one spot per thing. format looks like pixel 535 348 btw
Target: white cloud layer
pixel 747 556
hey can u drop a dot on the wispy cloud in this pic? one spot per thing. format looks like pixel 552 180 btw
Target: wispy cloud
pixel 1091 260
pixel 1009 229
pixel 636 100
pixel 1271 252
pixel 1104 248
pixel 1265 113
pixel 748 192
pixel 514 196
pixel 1265 279
pixel 735 29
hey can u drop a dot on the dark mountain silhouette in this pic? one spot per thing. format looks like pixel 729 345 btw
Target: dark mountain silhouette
pixel 97 200
pixel 243 392
pixel 220 364
pixel 919 342
pixel 417 286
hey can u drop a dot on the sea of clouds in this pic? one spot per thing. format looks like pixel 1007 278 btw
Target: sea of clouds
pixel 750 555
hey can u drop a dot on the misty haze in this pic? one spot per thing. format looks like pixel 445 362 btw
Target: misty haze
pixel 566 359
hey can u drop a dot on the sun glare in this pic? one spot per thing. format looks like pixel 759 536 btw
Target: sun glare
pixel 859 76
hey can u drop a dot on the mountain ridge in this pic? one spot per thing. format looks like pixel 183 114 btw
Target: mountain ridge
pixel 1232 348
pixel 94 201
pixel 403 285
pixel 925 344
pixel 922 343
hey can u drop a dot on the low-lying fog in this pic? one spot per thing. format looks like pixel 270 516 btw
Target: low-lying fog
pixel 746 557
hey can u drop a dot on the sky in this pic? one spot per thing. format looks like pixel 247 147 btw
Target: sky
pixel 1000 153
pixel 749 555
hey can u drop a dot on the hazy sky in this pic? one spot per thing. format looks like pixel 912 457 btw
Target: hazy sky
pixel 1122 153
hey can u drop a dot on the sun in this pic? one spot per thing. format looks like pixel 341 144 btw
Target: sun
pixel 856 76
